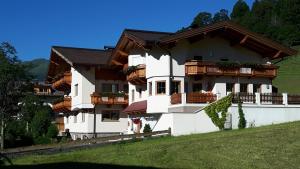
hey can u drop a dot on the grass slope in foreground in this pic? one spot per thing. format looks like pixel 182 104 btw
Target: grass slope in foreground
pixel 288 79
pixel 275 146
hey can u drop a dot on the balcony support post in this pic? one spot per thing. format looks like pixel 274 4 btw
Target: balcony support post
pixel 183 98
pixel 285 99
pixel 257 98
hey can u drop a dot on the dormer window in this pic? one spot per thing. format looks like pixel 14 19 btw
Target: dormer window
pixel 199 58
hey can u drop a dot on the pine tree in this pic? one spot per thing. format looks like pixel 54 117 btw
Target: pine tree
pixel 202 19
pixel 220 16
pixel 242 120
pixel 240 12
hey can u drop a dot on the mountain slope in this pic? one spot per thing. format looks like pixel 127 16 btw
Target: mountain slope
pixel 39 68
pixel 288 79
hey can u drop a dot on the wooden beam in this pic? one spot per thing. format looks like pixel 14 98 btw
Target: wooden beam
pixel 54 63
pixel 122 53
pixel 244 39
pixel 116 63
pixel 277 54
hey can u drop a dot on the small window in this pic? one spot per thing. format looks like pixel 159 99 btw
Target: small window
pixel 83 117
pixel 67 120
pixel 75 118
pixel 197 87
pixel 175 87
pixel 199 58
pixel 110 115
pixel 230 87
pixel 76 90
pixel 224 59
pixel 243 88
pixel 125 88
pixel 150 88
pixel 132 95
pixel 140 92
pixel 161 87
pixel 110 88
pixel 114 88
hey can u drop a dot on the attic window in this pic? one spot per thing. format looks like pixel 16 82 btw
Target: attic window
pixel 198 58
pixel 224 59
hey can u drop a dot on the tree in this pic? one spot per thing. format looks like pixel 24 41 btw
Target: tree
pixel 202 19
pixel 52 131
pixel 41 121
pixel 242 120
pixel 240 11
pixel 220 16
pixel 147 128
pixel 14 82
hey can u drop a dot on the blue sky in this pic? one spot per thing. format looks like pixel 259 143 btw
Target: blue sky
pixel 33 26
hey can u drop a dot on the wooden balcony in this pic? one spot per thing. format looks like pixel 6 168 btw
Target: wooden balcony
pixel 62 106
pixel 63 82
pixel 138 75
pixel 211 69
pixel 112 99
pixel 193 98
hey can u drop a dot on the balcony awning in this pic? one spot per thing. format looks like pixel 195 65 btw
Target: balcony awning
pixel 136 108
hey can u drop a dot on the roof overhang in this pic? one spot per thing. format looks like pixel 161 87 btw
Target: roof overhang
pixel 136 108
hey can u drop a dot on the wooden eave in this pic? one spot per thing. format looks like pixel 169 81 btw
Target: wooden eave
pixel 243 36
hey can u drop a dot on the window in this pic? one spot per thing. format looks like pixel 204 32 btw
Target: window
pixel 150 88
pixel 256 88
pixel 243 88
pixel 82 117
pixel 140 92
pixel 230 87
pixel 125 88
pixel 76 90
pixel 199 58
pixel 175 88
pixel 110 115
pixel 110 88
pixel 224 59
pixel 75 118
pixel 132 95
pixel 161 87
pixel 197 87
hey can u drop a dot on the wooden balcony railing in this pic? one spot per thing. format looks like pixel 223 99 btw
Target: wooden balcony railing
pixel 294 99
pixel 112 99
pixel 63 105
pixel 138 75
pixel 244 97
pixel 63 82
pixel 271 98
pixel 209 68
pixel 194 97
pixel 200 97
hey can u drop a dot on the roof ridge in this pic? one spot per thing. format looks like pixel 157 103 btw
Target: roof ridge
pixel 147 31
pixel 69 47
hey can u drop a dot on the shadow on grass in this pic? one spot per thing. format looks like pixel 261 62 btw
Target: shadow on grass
pixel 70 165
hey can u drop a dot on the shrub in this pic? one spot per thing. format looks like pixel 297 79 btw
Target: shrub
pixel 242 120
pixel 52 131
pixel 147 128
pixel 40 122
pixel 42 140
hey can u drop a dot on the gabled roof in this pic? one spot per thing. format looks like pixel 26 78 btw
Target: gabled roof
pixel 82 56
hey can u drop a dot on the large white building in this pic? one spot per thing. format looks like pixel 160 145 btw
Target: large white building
pixel 171 77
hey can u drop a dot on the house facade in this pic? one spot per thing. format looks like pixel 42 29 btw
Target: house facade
pixel 95 92
pixel 170 78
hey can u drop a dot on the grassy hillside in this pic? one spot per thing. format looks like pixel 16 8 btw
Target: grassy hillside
pixel 275 146
pixel 39 68
pixel 288 79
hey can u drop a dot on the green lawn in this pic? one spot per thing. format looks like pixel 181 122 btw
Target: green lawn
pixel 288 79
pixel 276 146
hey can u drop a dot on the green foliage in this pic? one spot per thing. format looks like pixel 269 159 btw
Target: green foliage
pixel 147 128
pixel 240 11
pixel 220 16
pixel 242 120
pixel 222 106
pixel 52 131
pixel 202 19
pixel 41 122
pixel 42 140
